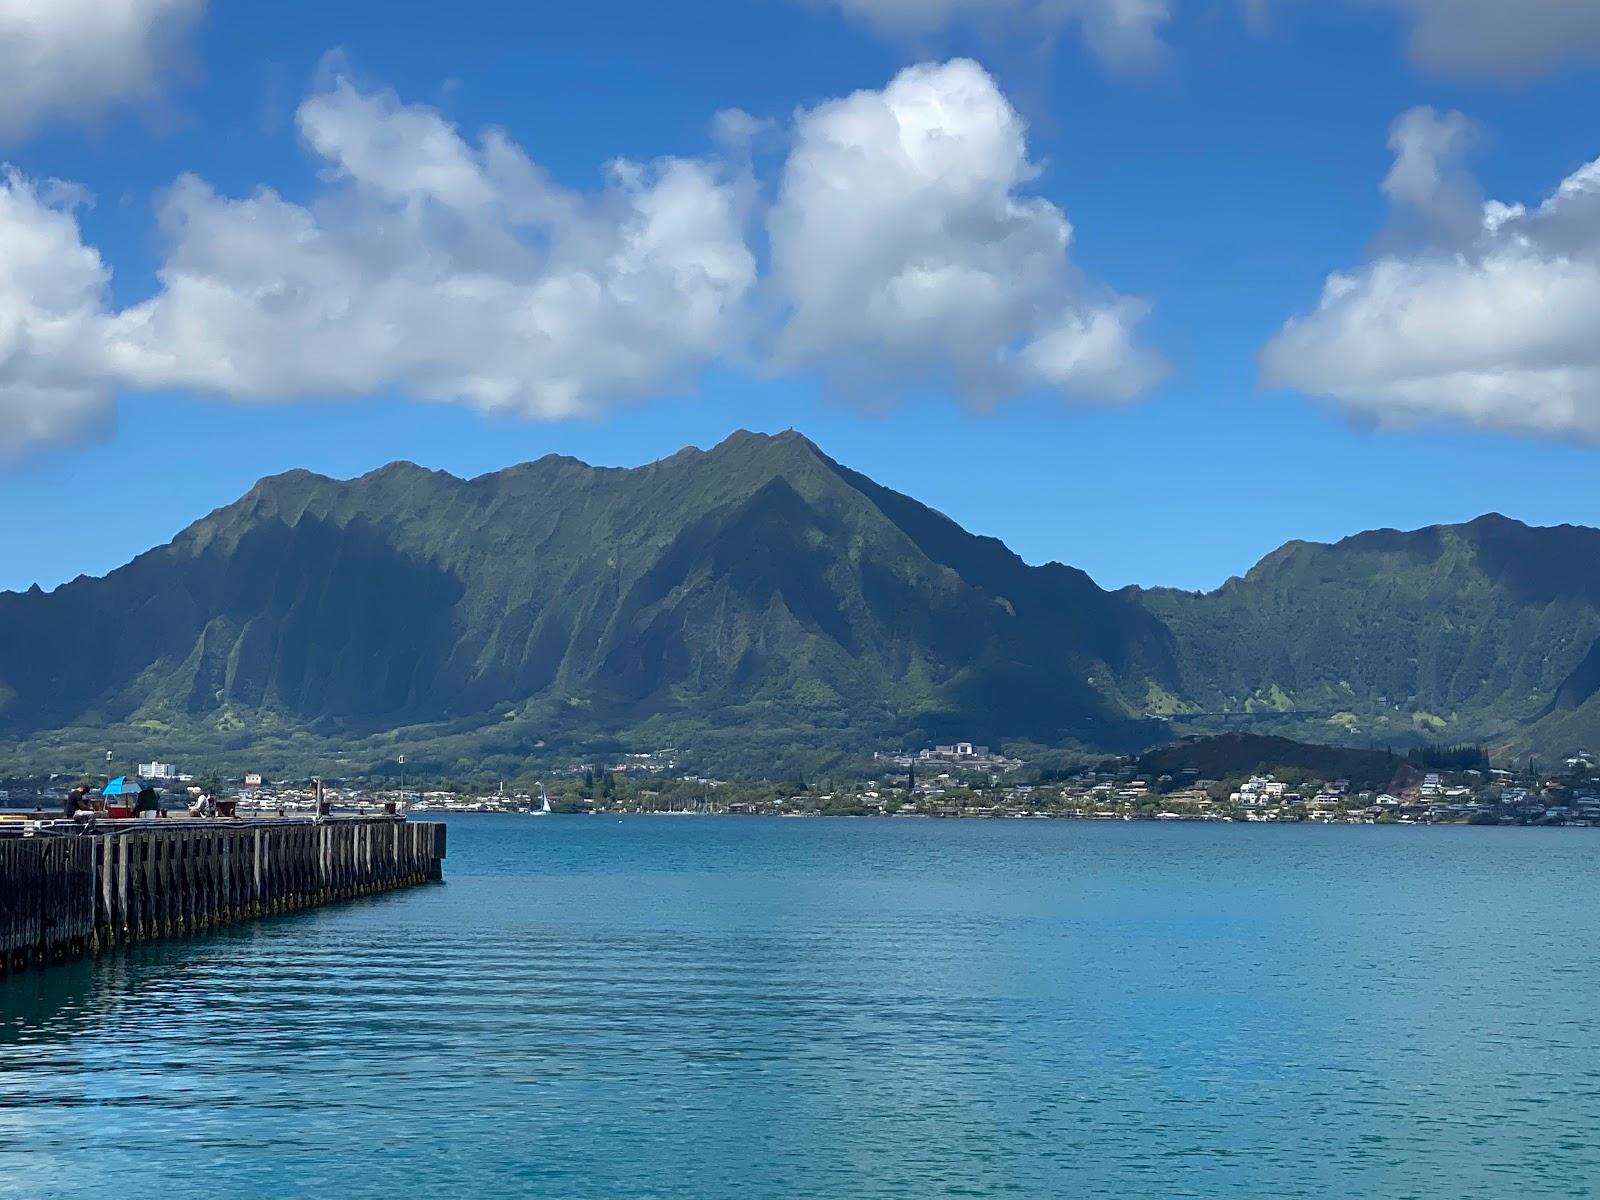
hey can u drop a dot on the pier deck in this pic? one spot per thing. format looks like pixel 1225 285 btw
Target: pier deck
pixel 68 891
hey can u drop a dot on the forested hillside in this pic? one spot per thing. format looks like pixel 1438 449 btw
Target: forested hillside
pixel 762 607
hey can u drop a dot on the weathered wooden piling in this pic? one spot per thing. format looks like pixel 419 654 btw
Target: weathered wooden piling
pixel 65 891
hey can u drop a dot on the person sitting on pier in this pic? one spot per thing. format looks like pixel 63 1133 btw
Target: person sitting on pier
pixel 75 800
pixel 81 805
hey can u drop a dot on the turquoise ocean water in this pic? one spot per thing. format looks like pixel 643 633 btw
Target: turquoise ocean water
pixel 727 1007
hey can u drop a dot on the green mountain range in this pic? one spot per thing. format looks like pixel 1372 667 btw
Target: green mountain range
pixel 1485 631
pixel 759 607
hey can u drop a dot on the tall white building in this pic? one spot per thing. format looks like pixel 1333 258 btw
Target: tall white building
pixel 157 770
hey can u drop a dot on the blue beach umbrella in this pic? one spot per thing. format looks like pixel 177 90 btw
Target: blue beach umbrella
pixel 121 786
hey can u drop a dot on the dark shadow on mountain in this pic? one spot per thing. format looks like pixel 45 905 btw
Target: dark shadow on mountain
pixel 1579 687
pixel 1540 565
pixel 311 619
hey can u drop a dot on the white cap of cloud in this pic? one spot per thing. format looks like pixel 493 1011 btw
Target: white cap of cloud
pixel 1493 325
pixel 903 252
pixel 52 318
pixel 73 57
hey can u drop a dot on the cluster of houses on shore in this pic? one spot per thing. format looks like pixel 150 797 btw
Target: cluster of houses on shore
pixel 964 780
pixel 952 764
pixel 989 786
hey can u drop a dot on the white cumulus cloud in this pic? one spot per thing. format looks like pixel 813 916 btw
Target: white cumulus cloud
pixel 53 322
pixel 449 270
pixel 1490 321
pixel 904 250
pixel 1125 33
pixel 74 57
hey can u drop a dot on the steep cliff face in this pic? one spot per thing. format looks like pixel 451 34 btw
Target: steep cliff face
pixel 757 572
pixel 762 586
pixel 1480 626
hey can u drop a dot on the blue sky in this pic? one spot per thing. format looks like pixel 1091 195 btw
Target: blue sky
pixel 1215 167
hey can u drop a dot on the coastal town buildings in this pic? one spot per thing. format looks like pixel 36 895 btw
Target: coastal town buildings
pixel 960 781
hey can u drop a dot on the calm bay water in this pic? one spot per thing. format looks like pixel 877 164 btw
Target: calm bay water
pixel 722 1008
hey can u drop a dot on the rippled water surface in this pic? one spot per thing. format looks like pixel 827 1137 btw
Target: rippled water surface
pixel 708 1007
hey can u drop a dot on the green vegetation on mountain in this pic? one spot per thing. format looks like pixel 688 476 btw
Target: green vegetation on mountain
pixel 1469 631
pixel 764 610
pixel 742 603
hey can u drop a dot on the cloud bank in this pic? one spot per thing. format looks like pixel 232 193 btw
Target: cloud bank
pixel 449 271
pixel 1505 39
pixel 1489 321
pixel 902 248
pixel 1124 33
pixel 71 58
pixel 1499 39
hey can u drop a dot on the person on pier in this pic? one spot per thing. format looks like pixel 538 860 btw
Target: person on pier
pixel 75 800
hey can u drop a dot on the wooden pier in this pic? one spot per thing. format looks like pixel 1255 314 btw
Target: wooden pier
pixel 67 891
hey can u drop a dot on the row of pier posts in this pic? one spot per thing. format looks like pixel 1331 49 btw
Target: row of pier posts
pixel 64 894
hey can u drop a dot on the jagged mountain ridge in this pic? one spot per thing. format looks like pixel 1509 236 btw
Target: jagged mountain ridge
pixel 1474 631
pixel 757 572
pixel 760 591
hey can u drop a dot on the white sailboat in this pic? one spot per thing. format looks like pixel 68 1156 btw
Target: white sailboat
pixel 544 803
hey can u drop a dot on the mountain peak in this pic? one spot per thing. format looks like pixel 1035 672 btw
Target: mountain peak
pixel 747 440
pixel 1496 519
pixel 285 480
pixel 402 468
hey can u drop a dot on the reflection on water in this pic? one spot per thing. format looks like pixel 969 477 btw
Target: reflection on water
pixel 721 1008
